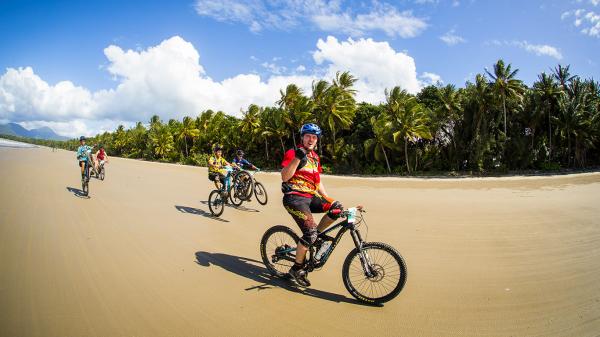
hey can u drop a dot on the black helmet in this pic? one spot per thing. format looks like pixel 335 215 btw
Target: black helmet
pixel 240 153
pixel 101 146
pixel 217 148
pixel 81 138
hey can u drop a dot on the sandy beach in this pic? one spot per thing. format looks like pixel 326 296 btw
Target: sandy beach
pixel 143 257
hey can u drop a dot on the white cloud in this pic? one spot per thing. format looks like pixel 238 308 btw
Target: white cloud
pixel 169 80
pixel 428 78
pixel 451 39
pixel 537 49
pixel 376 64
pixel 325 15
pixel 588 21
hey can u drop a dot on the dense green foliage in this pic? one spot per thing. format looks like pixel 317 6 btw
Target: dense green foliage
pixel 494 124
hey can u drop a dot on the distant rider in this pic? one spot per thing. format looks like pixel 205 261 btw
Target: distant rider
pixel 304 194
pixel 216 168
pixel 82 155
pixel 101 157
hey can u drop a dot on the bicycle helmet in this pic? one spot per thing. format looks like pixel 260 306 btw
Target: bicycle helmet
pixel 217 148
pixel 310 128
pixel 81 138
pixel 240 153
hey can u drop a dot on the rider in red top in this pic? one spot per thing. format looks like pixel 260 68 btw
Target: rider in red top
pixel 304 194
pixel 101 156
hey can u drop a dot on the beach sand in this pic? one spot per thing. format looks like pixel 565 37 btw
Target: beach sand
pixel 143 257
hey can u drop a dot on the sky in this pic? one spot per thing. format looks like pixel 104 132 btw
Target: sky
pixel 84 67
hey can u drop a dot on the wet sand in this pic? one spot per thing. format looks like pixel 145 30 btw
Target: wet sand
pixel 143 257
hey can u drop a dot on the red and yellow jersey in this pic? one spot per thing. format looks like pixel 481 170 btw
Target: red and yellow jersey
pixel 307 178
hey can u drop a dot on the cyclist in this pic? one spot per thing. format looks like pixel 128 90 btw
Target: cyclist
pixel 82 156
pixel 241 162
pixel 304 194
pixel 101 157
pixel 216 168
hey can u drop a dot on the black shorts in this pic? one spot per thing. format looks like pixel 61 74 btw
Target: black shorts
pixel 214 176
pixel 301 209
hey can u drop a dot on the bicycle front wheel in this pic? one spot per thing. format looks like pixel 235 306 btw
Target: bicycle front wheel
pixel 387 274
pixel 278 249
pixel 261 193
pixel 102 173
pixel 216 203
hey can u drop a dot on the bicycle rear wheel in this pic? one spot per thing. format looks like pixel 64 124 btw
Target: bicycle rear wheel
pixel 278 249
pixel 244 185
pixel 261 193
pixel 216 203
pixel 388 273
pixel 101 174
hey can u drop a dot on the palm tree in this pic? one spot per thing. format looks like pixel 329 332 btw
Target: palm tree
pixel 409 119
pixel 548 95
pixel 297 108
pixel 336 105
pixel 505 85
pixel 574 121
pixel 376 145
pixel 162 141
pixel 187 130
pixel 563 76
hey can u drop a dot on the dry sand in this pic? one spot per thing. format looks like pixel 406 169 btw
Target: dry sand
pixel 142 257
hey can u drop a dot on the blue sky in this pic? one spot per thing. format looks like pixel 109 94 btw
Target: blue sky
pixel 56 70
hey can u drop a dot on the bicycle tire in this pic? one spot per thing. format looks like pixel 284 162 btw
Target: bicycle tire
pixel 216 204
pixel 370 247
pixel 267 255
pixel 260 192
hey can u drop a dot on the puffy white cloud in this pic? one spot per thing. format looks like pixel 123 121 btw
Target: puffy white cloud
pixel 169 80
pixel 451 39
pixel 376 64
pixel 326 15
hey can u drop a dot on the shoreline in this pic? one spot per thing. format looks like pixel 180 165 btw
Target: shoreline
pixel 515 175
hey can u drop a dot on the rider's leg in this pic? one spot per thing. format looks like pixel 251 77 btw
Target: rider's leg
pixel 299 209
pixel 320 204
pixel 82 167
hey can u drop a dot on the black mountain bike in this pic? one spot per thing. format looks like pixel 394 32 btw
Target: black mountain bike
pixel 373 272
pixel 85 182
pixel 101 171
pixel 245 185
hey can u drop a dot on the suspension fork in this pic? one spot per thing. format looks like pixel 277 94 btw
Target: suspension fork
pixel 362 255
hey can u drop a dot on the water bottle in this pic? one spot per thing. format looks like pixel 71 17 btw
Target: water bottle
pixel 324 248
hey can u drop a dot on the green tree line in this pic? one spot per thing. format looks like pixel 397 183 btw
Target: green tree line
pixel 494 124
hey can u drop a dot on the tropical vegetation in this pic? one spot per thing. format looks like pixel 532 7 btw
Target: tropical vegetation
pixel 493 124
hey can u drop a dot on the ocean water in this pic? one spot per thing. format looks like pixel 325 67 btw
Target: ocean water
pixel 12 143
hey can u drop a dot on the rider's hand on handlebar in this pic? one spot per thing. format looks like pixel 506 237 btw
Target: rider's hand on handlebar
pixel 361 208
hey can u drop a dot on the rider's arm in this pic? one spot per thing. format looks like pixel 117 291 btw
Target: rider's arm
pixel 322 190
pixel 289 165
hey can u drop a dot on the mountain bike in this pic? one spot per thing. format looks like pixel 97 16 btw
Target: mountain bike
pixel 101 170
pixel 218 197
pixel 85 182
pixel 373 272
pixel 246 185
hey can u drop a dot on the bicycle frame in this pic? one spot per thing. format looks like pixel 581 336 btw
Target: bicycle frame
pixel 344 226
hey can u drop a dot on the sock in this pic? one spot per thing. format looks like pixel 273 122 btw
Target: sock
pixel 298 266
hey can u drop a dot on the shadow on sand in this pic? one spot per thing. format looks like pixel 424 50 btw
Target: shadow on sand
pixel 77 192
pixel 196 211
pixel 240 207
pixel 249 269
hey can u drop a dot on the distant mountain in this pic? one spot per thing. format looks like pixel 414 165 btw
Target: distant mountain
pixel 44 132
